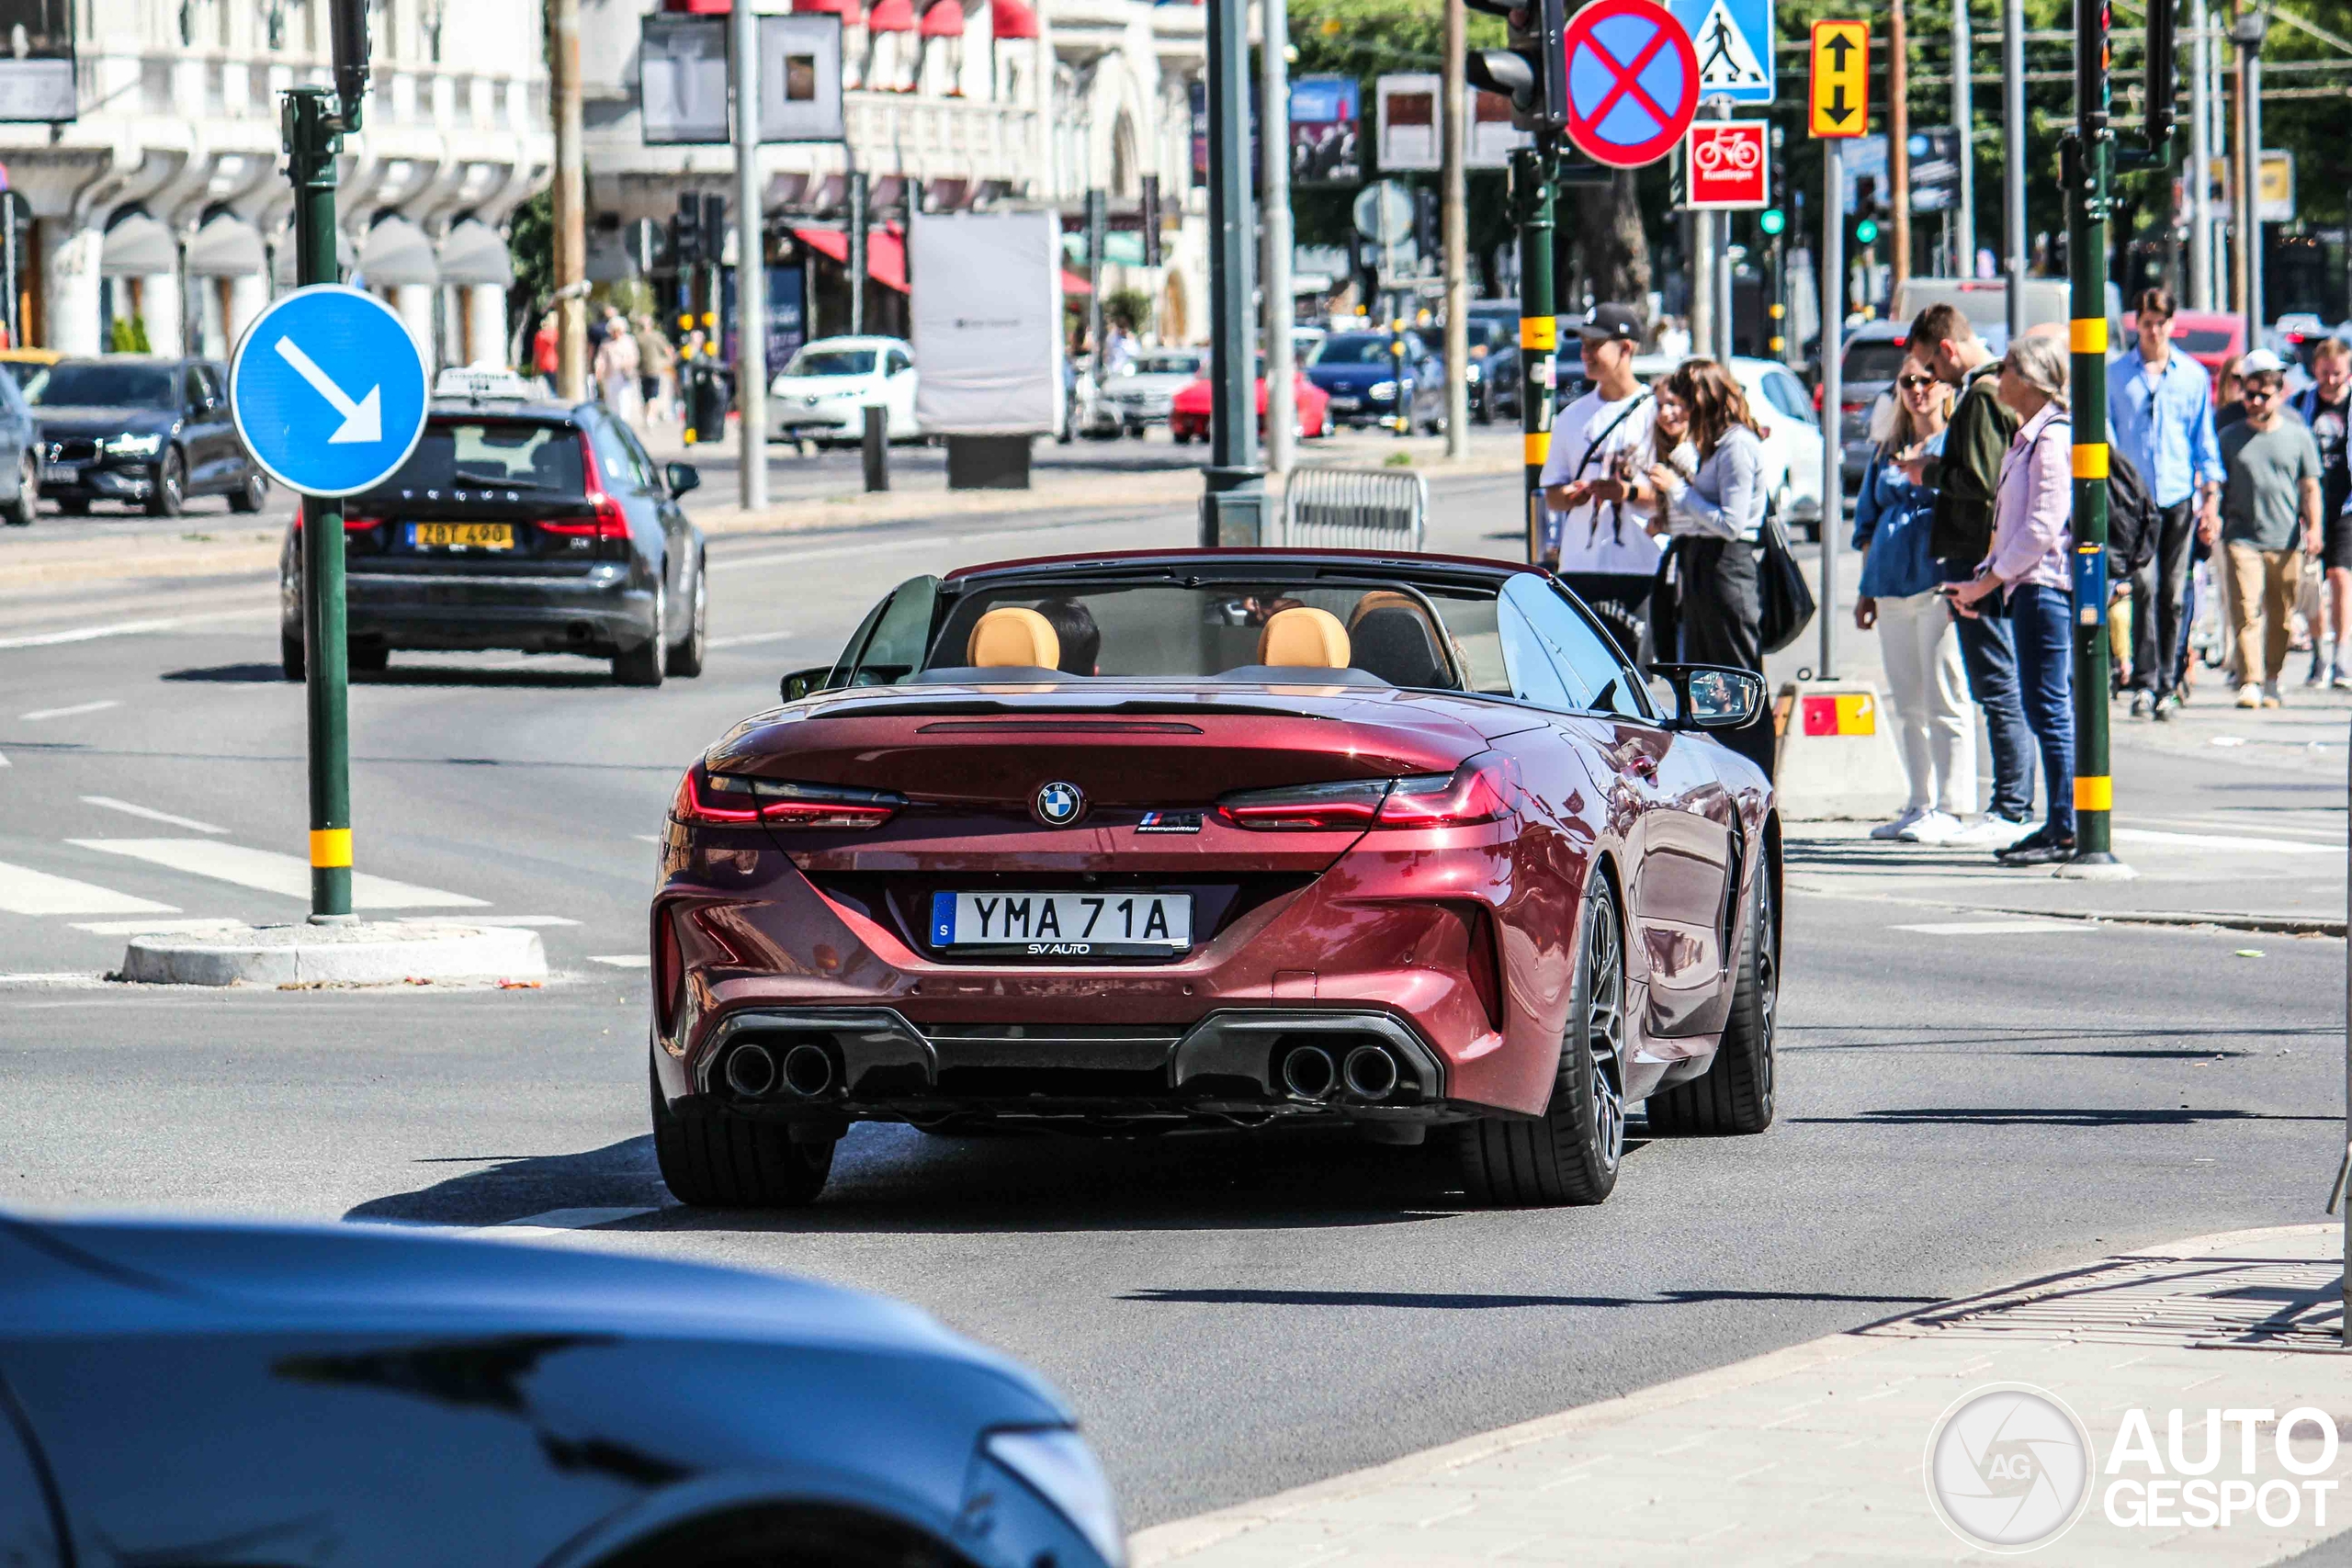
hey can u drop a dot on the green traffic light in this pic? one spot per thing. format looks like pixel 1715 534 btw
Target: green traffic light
pixel 1866 231
pixel 1771 221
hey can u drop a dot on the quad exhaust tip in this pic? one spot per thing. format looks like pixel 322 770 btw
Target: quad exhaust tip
pixel 808 1070
pixel 1308 1072
pixel 750 1070
pixel 1366 1073
pixel 1370 1073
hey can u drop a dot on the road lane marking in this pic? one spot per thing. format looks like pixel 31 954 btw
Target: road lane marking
pixel 649 838
pixel 2223 841
pixel 128 628
pixel 154 928
pixel 745 639
pixel 492 920
pixel 1995 928
pixel 150 814
pixel 623 960
pixel 24 891
pixel 81 979
pixel 78 708
pixel 270 871
pixel 569 1219
pixel 928 541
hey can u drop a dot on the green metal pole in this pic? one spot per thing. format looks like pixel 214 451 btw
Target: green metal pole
pixel 2088 173
pixel 313 136
pixel 1539 329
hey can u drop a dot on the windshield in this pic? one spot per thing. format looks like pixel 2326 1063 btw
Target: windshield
pixel 2205 340
pixel 1168 364
pixel 1354 348
pixel 95 384
pixel 831 362
pixel 1877 360
pixel 492 454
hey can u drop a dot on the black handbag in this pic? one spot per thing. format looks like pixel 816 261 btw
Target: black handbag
pixel 1786 599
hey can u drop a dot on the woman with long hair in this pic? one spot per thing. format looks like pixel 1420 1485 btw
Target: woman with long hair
pixel 1926 680
pixel 2032 526
pixel 1714 519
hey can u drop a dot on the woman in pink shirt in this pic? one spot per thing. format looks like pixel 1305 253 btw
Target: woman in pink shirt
pixel 2032 526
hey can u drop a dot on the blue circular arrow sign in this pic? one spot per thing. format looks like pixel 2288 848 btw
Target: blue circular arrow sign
pixel 328 390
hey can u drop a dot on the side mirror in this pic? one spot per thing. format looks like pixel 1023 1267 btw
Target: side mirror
pixel 682 476
pixel 1708 696
pixel 800 683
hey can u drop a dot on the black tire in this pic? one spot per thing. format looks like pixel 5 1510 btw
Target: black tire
pixel 1734 1095
pixel 641 665
pixel 289 654
pixel 170 495
pixel 249 495
pixel 719 1161
pixel 686 658
pixel 74 505
pixel 1570 1155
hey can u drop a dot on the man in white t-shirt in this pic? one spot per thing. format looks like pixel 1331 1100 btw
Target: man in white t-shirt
pixel 1592 536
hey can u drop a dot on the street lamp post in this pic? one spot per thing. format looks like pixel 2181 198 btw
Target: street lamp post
pixel 2247 32
pixel 1234 510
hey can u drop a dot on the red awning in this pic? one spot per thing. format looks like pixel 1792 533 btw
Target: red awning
pixel 1012 19
pixel 945 19
pixel 1073 284
pixel 829 242
pixel 847 10
pixel 886 258
pixel 891 17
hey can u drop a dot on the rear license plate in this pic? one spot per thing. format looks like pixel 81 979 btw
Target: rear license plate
pixel 1347 402
pixel 60 473
pixel 461 535
pixel 1062 925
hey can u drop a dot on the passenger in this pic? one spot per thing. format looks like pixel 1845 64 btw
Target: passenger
pixel 1081 639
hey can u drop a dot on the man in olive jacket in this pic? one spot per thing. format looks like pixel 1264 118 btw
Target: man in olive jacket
pixel 1966 476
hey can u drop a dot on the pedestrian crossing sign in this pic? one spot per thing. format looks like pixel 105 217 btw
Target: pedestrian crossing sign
pixel 1733 40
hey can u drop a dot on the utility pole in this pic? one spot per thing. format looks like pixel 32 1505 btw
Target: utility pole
pixel 2247 32
pixel 1454 106
pixel 2013 138
pixel 1832 398
pixel 857 198
pixel 1898 149
pixel 750 264
pixel 2086 170
pixel 1539 327
pixel 1963 124
pixel 2200 161
pixel 1274 229
pixel 1721 279
pixel 1233 512
pixel 569 200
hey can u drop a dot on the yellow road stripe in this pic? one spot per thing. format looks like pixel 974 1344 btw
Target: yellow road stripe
pixel 1538 447
pixel 2087 335
pixel 329 847
pixel 2090 460
pixel 2094 794
pixel 1539 331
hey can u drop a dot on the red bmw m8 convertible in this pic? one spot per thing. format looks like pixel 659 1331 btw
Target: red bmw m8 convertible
pixel 1127 842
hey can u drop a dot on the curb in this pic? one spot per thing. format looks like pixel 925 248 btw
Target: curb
pixel 375 953
pixel 2277 925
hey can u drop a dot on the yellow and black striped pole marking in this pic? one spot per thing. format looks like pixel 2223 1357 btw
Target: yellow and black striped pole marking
pixel 1538 330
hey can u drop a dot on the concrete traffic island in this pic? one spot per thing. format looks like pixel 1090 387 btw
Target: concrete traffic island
pixel 373 953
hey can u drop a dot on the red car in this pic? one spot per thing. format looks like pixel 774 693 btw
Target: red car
pixel 1134 842
pixel 1188 411
pixel 2213 338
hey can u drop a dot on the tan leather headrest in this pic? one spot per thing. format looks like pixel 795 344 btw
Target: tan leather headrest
pixel 1383 599
pixel 1303 638
pixel 1008 638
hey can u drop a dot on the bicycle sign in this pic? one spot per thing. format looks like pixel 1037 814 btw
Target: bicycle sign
pixel 1633 82
pixel 1729 166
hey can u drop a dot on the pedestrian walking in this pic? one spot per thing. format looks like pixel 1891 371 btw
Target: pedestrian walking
pixel 2229 388
pixel 1713 520
pixel 2325 409
pixel 2269 522
pixel 657 365
pixel 2160 418
pixel 546 356
pixel 2027 562
pixel 616 367
pixel 1966 476
pixel 1926 679
pixel 1600 547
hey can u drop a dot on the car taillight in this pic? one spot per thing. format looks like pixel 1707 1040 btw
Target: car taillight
pixel 351 523
pixel 1479 790
pixel 721 800
pixel 604 522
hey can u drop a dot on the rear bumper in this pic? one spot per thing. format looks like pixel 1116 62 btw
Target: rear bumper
pixel 828 423
pixel 600 614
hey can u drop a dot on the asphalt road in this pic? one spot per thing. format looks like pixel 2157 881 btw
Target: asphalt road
pixel 1961 1108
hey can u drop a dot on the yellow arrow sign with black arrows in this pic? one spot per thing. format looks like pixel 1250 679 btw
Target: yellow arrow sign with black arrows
pixel 1838 102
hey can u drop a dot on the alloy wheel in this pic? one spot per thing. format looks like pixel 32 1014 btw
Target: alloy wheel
pixel 1605 1037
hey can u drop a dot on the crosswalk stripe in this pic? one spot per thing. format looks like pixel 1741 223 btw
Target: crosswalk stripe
pixel 2223 841
pixel 270 871
pixel 622 960
pixel 154 928
pixel 150 814
pixel 24 891
pixel 77 709
pixel 127 628
pixel 497 919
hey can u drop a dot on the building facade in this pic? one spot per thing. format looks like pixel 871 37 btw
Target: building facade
pixel 165 205
pixel 958 104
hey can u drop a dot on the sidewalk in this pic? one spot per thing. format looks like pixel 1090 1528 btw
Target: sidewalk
pixel 1816 1453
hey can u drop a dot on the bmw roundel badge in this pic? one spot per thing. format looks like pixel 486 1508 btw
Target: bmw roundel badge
pixel 1058 804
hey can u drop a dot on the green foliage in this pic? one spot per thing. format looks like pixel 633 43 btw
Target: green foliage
pixel 129 336
pixel 1128 307
pixel 531 242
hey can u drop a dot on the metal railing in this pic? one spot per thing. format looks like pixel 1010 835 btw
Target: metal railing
pixel 1355 509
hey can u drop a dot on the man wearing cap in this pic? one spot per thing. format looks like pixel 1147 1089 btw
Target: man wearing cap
pixel 1601 547
pixel 2270 521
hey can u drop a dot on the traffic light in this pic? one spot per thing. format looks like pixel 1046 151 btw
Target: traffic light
pixel 1533 71
pixel 1866 209
pixel 685 232
pixel 1426 237
pixel 1771 221
pixel 1866 231
pixel 714 230
pixel 1152 254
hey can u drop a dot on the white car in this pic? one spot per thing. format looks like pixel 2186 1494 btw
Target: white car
pixel 823 394
pixel 1792 434
pixel 1138 394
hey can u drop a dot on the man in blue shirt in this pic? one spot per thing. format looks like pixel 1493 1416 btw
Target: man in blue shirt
pixel 2160 415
